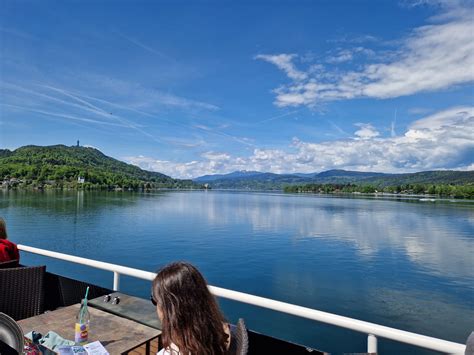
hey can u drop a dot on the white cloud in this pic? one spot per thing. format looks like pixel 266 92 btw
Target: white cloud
pixel 216 156
pixel 284 62
pixel 444 140
pixel 343 56
pixel 436 57
pixel 432 57
pixel 431 3
pixel 366 131
pixel 446 118
pixel 210 164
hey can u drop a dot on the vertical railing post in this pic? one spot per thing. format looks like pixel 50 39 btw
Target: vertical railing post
pixel 372 344
pixel 116 281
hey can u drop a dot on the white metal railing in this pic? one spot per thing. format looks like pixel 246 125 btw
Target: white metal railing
pixel 371 329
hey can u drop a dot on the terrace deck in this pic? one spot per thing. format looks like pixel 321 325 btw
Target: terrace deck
pixel 61 292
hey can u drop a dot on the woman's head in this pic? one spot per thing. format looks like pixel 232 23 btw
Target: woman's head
pixel 3 229
pixel 189 314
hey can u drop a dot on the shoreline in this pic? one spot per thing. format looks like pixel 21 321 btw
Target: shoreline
pixel 419 197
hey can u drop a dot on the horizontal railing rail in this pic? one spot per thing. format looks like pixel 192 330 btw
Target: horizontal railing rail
pixel 371 329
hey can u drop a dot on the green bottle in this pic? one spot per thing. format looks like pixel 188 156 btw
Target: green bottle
pixel 82 322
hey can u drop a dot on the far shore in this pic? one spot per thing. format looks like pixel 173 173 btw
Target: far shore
pixel 420 197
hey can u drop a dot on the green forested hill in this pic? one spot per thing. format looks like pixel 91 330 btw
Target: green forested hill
pixel 269 181
pixel 425 177
pixel 60 166
pixel 442 182
pixel 5 153
pixel 459 184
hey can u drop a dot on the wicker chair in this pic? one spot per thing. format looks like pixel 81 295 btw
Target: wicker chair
pixel 239 344
pixel 72 291
pixel 61 291
pixel 21 291
pixel 9 264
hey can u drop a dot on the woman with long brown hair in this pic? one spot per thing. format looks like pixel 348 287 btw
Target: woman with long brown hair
pixel 192 323
pixel 8 250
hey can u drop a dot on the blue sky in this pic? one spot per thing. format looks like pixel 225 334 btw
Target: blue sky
pixel 193 88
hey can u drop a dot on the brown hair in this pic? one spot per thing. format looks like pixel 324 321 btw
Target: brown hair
pixel 3 229
pixel 191 318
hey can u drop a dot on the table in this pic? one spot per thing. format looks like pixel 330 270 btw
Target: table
pixel 130 307
pixel 117 334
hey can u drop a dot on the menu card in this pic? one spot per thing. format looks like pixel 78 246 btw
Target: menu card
pixel 71 350
pixel 95 348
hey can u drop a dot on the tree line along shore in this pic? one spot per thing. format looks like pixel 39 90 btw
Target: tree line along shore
pixel 442 190
pixel 86 168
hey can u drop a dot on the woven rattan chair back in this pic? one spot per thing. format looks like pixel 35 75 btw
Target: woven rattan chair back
pixel 9 264
pixel 72 291
pixel 21 291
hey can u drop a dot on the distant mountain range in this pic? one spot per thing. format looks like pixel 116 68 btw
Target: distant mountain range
pixel 330 175
pixel 234 175
pixel 259 180
pixel 60 166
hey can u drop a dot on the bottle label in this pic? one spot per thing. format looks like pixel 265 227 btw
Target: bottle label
pixel 81 333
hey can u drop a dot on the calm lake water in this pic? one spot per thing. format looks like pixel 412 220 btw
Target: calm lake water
pixel 397 262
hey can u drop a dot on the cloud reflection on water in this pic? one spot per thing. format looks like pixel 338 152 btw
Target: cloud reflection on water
pixel 439 238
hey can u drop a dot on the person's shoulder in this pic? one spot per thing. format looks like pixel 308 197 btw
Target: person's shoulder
pixel 167 351
pixel 163 352
pixel 7 243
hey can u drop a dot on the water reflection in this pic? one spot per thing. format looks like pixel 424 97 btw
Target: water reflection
pixel 390 262
pixel 438 238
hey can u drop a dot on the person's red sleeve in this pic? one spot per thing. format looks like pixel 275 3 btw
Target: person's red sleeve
pixel 15 252
pixel 8 251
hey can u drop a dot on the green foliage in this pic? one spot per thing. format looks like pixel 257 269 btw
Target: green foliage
pixel 269 181
pixel 455 191
pixel 60 166
pixel 424 178
pixel 5 153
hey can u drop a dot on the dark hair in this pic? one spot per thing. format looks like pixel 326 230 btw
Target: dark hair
pixel 3 229
pixel 191 318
